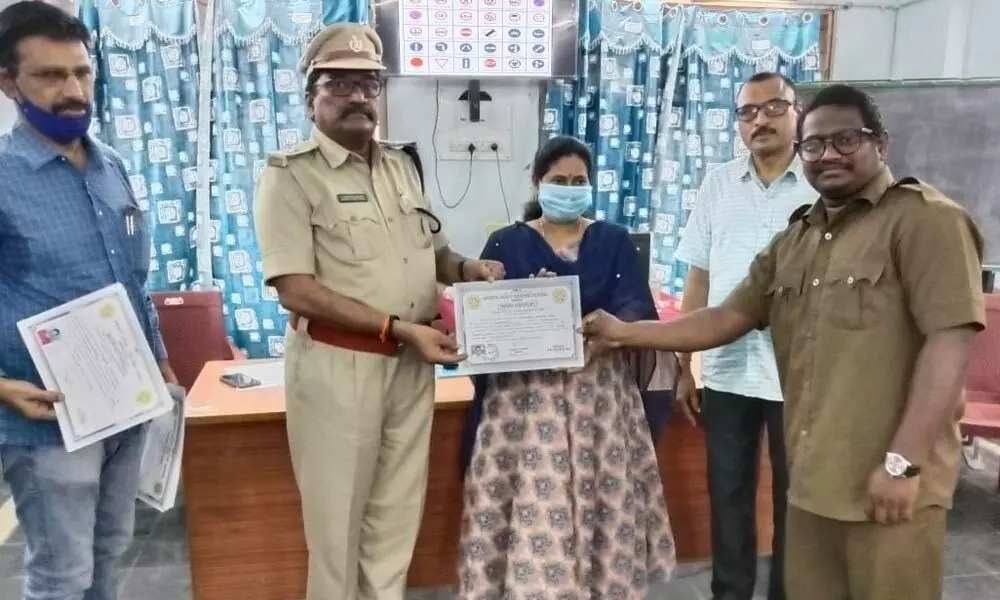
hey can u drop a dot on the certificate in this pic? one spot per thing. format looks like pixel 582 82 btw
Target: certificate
pixel 94 351
pixel 160 472
pixel 519 325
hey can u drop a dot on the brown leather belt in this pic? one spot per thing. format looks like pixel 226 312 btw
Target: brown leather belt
pixel 343 338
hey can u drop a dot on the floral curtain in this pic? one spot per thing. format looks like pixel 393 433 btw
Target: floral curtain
pixel 146 108
pixel 156 97
pixel 721 49
pixel 256 107
pixel 650 156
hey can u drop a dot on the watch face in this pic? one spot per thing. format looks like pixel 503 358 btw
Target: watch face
pixel 896 465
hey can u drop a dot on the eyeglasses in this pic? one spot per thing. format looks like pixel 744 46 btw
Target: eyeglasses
pixel 771 108
pixel 845 143
pixel 343 88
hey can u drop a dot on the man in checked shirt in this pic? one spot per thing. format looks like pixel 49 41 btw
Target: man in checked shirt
pixel 69 225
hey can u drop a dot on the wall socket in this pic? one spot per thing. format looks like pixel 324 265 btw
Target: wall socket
pixel 459 150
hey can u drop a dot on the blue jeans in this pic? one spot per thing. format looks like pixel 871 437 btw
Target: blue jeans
pixel 76 511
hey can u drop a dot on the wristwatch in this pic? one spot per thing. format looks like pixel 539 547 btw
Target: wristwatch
pixel 898 467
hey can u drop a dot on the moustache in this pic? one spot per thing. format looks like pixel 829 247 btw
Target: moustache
pixel 762 131
pixel 70 106
pixel 357 111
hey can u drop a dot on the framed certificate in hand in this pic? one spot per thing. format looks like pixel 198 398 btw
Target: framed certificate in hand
pixel 519 325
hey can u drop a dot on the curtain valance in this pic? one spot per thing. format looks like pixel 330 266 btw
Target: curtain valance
pixel 131 23
pixel 624 26
pixel 292 21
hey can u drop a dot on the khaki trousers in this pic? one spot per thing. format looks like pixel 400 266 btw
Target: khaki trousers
pixel 359 430
pixel 838 560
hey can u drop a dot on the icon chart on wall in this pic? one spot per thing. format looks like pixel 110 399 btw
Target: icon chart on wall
pixel 476 38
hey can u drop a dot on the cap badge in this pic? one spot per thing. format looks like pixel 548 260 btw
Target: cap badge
pixel 355 44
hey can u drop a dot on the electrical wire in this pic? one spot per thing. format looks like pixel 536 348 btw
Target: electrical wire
pixel 437 160
pixel 503 193
pixel 465 192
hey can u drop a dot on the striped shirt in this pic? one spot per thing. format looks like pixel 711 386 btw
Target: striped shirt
pixel 734 219
pixel 63 234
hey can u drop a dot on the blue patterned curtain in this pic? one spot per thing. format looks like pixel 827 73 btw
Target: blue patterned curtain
pixel 146 93
pixel 256 107
pixel 613 103
pixel 651 156
pixel 721 49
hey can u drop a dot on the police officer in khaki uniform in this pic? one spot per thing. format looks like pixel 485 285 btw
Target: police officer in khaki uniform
pixel 348 241
pixel 873 295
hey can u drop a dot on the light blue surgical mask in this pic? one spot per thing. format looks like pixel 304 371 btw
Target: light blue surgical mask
pixel 564 203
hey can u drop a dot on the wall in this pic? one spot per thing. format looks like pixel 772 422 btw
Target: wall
pixel 498 189
pixel 918 39
pixel 862 44
pixel 8 112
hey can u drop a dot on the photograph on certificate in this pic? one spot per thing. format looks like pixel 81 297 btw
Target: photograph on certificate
pixel 95 353
pixel 519 325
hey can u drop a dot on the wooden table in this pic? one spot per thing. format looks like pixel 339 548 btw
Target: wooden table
pixel 244 519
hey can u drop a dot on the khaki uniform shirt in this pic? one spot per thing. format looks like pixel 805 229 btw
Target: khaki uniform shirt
pixel 850 303
pixel 324 211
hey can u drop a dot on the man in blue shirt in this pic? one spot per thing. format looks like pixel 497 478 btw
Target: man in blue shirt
pixel 69 225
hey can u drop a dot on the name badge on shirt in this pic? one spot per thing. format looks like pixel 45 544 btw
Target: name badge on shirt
pixel 352 198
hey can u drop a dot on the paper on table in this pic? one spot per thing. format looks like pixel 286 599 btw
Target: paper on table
pixel 94 351
pixel 519 325
pixel 270 373
pixel 160 473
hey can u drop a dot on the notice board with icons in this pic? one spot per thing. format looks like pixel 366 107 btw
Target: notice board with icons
pixel 475 39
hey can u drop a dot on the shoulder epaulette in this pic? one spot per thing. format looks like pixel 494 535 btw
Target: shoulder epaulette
pixel 905 181
pixel 799 213
pixel 395 145
pixel 280 159
pixel 410 149
pixel 911 183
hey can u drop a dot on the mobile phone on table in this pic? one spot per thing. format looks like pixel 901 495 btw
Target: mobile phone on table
pixel 239 381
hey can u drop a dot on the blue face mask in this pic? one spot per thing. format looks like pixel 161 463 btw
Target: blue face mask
pixel 564 203
pixel 61 129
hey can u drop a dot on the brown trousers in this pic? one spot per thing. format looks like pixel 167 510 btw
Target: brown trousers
pixel 837 560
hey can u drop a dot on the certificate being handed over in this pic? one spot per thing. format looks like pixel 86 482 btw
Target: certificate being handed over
pixel 519 325
pixel 94 351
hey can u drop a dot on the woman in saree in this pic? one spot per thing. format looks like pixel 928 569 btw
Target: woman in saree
pixel 563 498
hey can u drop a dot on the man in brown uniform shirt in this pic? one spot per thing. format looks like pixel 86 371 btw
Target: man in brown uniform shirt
pixel 873 296
pixel 348 241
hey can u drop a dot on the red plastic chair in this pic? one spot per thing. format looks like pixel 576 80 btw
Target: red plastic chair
pixel 982 384
pixel 194 331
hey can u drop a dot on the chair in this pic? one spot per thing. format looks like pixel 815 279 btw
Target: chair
pixel 982 384
pixel 194 331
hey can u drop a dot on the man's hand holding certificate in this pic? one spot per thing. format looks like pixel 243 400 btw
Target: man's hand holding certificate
pixel 519 325
pixel 93 351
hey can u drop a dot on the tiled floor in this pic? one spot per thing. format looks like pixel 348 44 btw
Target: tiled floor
pixel 157 563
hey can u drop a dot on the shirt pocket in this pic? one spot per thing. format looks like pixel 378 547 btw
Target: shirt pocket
pixel 852 291
pixel 416 226
pixel 138 238
pixel 354 230
pixel 785 295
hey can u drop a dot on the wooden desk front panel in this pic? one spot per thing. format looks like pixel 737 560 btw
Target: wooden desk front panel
pixel 245 524
pixel 243 513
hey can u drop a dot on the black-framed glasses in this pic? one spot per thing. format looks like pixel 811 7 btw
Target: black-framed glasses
pixel 771 108
pixel 344 87
pixel 845 143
